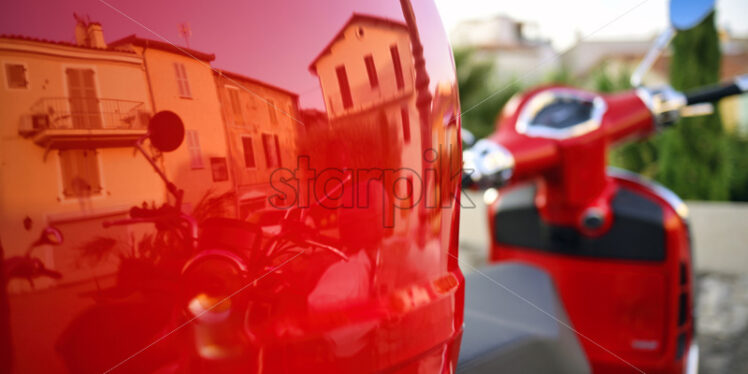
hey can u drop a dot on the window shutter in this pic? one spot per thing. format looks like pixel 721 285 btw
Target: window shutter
pixel 235 105
pixel 84 102
pixel 271 112
pixel 397 64
pixel 193 144
pixel 345 88
pixel 277 152
pixel 178 76
pixel 80 172
pixel 186 82
pixel 16 74
pixel 91 170
pixel 182 83
pixel 371 70
pixel 68 170
pixel 268 145
pixel 249 155
pixel 405 119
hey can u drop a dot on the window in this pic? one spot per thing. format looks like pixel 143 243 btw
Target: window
pixel 272 150
pixel 271 111
pixel 236 106
pixel 15 75
pixel 84 102
pixel 345 88
pixel 182 82
pixel 398 66
pixel 406 123
pixel 371 70
pixel 193 144
pixel 80 172
pixel 219 168
pixel 249 153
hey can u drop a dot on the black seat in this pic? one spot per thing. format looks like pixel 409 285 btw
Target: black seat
pixel 506 329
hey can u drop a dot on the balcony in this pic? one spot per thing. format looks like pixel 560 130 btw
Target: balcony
pixel 62 122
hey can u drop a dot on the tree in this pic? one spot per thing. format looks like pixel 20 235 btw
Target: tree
pixel 694 155
pixel 481 98
pixel 639 157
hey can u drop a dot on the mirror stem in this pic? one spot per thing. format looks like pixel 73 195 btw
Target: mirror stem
pixel 662 41
pixel 169 186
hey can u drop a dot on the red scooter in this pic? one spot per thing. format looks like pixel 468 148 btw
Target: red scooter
pixel 616 245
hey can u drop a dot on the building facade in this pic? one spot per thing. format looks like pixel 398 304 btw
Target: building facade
pixel 182 81
pixel 262 127
pixel 67 115
pixel 513 46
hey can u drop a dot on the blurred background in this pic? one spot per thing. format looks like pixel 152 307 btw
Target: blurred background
pixel 503 47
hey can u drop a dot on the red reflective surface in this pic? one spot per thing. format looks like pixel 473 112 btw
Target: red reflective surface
pixel 307 221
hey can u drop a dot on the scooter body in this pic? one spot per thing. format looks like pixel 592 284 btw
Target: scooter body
pixel 629 291
pixel 617 246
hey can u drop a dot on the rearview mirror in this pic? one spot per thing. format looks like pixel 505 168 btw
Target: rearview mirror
pixel 50 235
pixel 166 131
pixel 686 14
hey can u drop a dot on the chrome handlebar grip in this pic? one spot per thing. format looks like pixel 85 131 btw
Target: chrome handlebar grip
pixel 487 164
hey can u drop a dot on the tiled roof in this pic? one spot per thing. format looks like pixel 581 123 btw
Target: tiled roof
pixel 239 77
pixel 354 18
pixel 142 42
pixel 60 43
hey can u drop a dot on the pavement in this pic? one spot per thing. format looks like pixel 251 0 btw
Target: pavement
pixel 720 240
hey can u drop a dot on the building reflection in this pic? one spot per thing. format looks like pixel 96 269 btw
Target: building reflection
pixel 79 108
pixel 366 77
pixel 262 125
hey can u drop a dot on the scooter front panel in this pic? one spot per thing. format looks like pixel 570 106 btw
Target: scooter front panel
pixel 635 303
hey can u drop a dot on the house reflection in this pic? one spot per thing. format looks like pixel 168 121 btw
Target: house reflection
pixel 180 80
pixel 366 76
pixel 80 107
pixel 72 122
pixel 366 66
pixel 262 124
pixel 76 111
pixel 368 81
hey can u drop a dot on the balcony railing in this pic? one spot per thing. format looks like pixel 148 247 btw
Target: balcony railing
pixel 85 122
pixel 88 113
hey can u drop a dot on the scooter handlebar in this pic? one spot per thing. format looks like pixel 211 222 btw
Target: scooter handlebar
pixel 716 93
pixel 487 164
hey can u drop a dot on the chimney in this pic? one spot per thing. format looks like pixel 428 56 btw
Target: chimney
pixel 81 33
pixel 96 35
pixel 88 34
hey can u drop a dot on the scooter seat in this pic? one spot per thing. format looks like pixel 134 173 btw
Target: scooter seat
pixel 516 323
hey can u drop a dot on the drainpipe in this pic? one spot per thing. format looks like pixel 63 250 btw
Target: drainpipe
pixel 148 79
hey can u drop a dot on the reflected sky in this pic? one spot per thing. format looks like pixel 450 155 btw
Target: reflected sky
pixel 236 31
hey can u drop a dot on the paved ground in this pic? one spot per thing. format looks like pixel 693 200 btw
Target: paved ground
pixel 723 323
pixel 720 237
